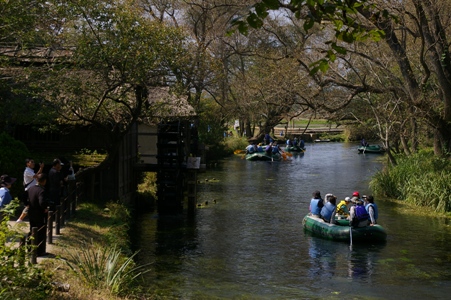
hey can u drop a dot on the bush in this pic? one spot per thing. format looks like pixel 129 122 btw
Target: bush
pixel 422 179
pixel 19 278
pixel 236 143
pixel 12 156
pixel 12 160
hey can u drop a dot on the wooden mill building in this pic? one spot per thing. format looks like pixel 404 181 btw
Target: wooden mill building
pixel 167 143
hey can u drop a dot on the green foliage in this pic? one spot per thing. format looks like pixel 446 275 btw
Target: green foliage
pixel 12 160
pixel 18 278
pixel 19 21
pixel 422 179
pixel 114 216
pixel 342 14
pixel 236 143
pixel 104 267
pixel 211 125
pixel 149 184
pixel 12 156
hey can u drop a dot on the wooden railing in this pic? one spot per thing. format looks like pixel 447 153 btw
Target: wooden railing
pixel 58 218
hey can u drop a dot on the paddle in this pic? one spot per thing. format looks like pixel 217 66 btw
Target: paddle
pixel 286 153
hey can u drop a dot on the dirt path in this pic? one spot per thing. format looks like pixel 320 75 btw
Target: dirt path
pixel 24 227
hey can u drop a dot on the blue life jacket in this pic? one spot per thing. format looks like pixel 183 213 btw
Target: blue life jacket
pixel 361 213
pixel 315 206
pixel 376 213
pixel 327 210
pixel 5 197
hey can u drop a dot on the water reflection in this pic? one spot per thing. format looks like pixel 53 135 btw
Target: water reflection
pixel 362 262
pixel 323 257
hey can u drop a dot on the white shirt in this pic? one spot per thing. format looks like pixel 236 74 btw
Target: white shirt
pixel 28 178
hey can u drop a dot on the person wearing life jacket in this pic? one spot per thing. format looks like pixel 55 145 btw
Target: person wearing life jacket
pixel 371 209
pixel 343 207
pixel 328 210
pixel 358 216
pixel 250 149
pixel 268 149
pixel 301 144
pixel 275 148
pixel 316 204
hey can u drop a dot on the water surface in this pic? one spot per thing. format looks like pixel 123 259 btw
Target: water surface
pixel 248 242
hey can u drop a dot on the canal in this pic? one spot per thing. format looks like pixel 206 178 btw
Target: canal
pixel 248 241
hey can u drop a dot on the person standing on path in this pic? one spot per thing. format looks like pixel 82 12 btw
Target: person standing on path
pixel 37 212
pixel 55 183
pixel 29 179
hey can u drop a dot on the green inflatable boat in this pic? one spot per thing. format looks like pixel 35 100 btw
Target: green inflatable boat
pixel 340 231
pixel 263 156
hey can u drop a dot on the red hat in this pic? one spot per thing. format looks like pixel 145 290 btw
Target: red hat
pixel 355 194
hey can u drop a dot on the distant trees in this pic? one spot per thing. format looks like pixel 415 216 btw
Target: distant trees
pixel 405 81
pixel 378 63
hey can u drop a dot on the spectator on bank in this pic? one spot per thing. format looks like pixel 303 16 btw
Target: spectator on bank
pixel 37 212
pixel 5 184
pixel 29 179
pixel 55 183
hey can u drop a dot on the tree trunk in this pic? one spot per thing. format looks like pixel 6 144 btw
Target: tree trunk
pixel 405 145
pixel 437 144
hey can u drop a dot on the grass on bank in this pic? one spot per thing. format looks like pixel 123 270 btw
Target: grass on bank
pixel 421 179
pixel 94 256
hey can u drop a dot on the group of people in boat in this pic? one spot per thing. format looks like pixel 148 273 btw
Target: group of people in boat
pixel 270 149
pixel 360 211
pixel 296 143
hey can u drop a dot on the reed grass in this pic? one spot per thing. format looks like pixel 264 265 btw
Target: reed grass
pixel 105 268
pixel 421 179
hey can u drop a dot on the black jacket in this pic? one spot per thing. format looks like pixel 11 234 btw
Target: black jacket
pixel 38 204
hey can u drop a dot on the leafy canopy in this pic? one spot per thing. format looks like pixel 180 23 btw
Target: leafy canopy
pixel 342 15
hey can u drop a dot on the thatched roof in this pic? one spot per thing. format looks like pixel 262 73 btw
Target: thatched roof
pixel 166 104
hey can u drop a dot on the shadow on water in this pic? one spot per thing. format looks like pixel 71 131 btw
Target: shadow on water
pixel 249 242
